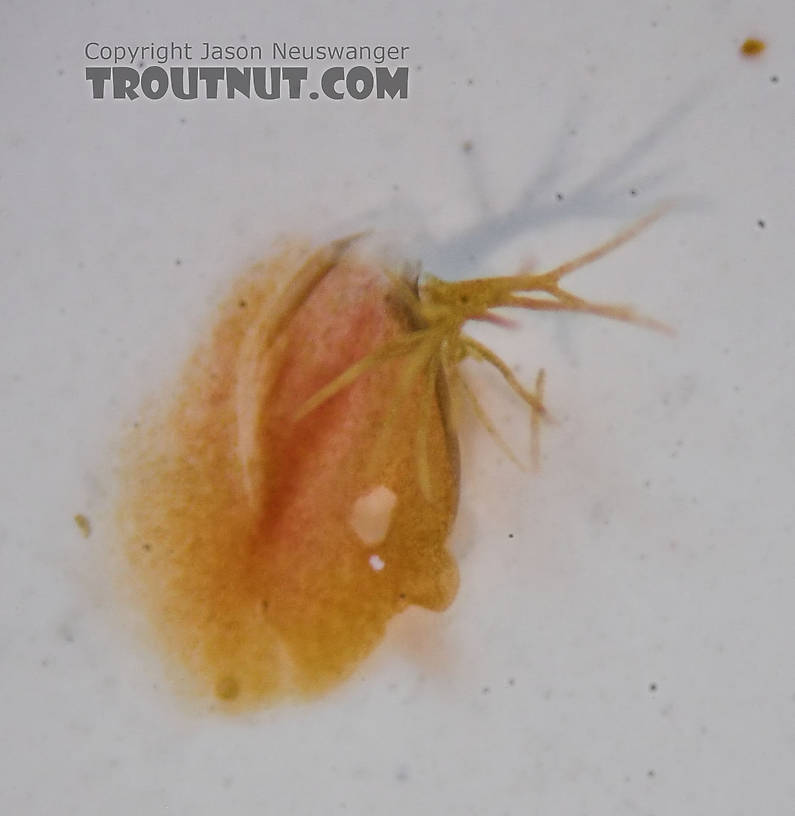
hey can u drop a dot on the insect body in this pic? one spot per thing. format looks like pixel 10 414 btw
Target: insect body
pixel 300 488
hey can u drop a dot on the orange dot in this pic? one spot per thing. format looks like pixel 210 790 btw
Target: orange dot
pixel 752 47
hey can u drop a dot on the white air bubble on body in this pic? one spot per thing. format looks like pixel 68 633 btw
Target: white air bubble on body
pixel 371 515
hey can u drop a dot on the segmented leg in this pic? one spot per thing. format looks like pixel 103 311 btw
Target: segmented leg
pixel 486 421
pixel 415 362
pixel 535 423
pixel 394 348
pixel 566 302
pixel 479 351
pixel 537 281
pixel 534 400
pixel 426 406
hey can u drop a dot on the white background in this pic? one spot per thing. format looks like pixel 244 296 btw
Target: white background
pixel 622 641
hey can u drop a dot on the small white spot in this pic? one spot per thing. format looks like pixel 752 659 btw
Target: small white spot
pixel 372 514
pixel 377 563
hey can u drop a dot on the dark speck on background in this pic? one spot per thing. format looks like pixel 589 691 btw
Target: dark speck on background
pixel 66 633
pixel 83 524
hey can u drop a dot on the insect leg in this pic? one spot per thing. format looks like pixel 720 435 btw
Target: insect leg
pixel 479 351
pixel 541 280
pixel 486 421
pixel 394 348
pixel 423 466
pixel 535 400
pixel 416 360
pixel 566 302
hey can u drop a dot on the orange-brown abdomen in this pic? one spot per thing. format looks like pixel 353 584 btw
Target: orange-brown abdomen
pixel 271 550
